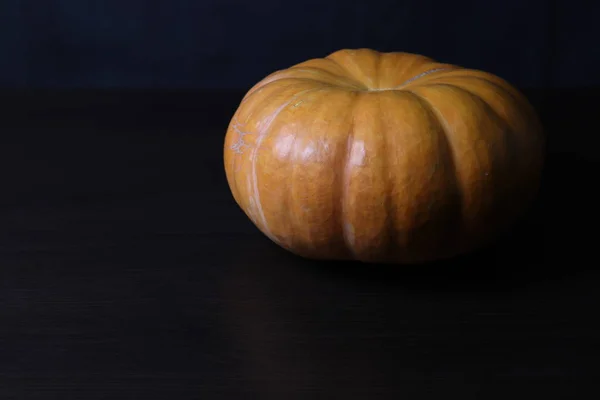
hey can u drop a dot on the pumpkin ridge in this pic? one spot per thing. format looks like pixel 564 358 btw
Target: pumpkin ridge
pixel 508 132
pixel 234 160
pixel 291 167
pixel 512 137
pixel 265 84
pixel 350 74
pixel 509 91
pixel 517 98
pixel 347 231
pixel 414 61
pixel 257 87
pixel 254 157
pixel 235 122
pixel 346 73
pixel 480 99
pixel 341 79
pixel 390 228
pixel 418 76
pixel 485 104
pixel 316 81
pixel 377 69
pixel 452 160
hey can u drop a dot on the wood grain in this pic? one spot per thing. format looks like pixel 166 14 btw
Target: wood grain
pixel 127 271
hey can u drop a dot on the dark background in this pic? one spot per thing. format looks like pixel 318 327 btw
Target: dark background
pixel 127 270
pixel 232 44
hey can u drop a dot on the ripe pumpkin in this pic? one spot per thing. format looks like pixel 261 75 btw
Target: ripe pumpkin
pixel 383 157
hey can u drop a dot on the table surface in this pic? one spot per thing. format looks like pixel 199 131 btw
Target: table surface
pixel 127 271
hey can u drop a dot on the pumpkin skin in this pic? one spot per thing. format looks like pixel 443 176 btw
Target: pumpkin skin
pixel 383 157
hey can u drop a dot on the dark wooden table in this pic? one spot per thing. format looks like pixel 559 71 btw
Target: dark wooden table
pixel 127 271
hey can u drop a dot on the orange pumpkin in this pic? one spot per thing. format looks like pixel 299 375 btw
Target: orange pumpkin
pixel 383 157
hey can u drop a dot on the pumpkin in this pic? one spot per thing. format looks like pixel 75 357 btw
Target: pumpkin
pixel 383 157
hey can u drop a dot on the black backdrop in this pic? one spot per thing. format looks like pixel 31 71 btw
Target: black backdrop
pixel 233 43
